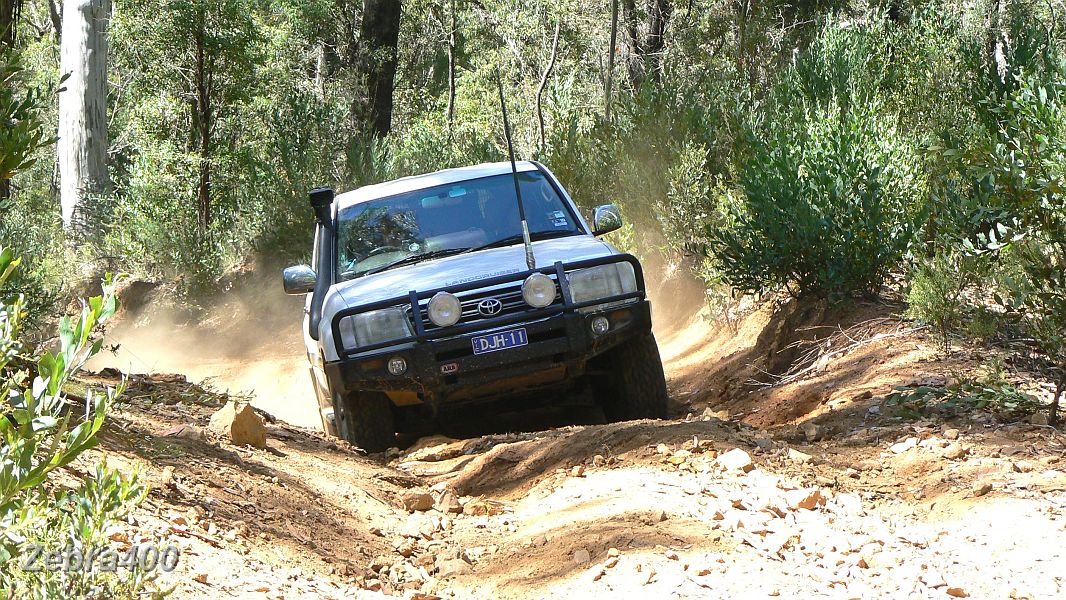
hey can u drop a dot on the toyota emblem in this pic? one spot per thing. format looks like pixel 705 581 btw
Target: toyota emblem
pixel 489 307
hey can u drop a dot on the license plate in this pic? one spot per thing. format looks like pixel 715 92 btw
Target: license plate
pixel 503 340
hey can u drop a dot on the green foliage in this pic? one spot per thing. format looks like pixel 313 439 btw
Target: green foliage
pixel 23 130
pixel 937 288
pixel 1014 181
pixel 829 186
pixel 41 432
pixel 990 391
pixel 984 324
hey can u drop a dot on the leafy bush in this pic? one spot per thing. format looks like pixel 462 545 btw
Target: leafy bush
pixel 24 130
pixel 827 206
pixel 41 432
pixel 829 184
pixel 937 286
pixel 1017 174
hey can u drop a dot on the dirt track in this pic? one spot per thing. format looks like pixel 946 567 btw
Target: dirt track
pixel 840 499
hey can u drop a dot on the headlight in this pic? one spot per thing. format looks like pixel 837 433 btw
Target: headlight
pixel 374 327
pixel 444 309
pixel 605 281
pixel 538 290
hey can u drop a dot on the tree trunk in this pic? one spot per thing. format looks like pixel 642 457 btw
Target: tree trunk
pixel 659 12
pixel 204 124
pixel 82 147
pixel 544 82
pixel 9 14
pixel 378 36
pixel 453 26
pixel 610 61
pixel 320 70
pixel 645 57
pixel 994 41
pixel 57 18
pixel 1053 410
pixel 634 60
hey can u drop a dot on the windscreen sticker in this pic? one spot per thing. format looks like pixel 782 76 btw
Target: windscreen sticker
pixel 558 219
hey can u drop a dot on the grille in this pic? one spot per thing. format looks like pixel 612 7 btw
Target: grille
pixel 509 297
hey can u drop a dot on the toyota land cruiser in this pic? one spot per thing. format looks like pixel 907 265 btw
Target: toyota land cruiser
pixel 464 286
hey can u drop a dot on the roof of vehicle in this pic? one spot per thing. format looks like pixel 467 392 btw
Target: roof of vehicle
pixel 418 182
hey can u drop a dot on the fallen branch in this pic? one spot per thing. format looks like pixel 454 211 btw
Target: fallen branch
pixel 822 351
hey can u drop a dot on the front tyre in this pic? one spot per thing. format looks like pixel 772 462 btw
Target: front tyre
pixel 365 420
pixel 636 388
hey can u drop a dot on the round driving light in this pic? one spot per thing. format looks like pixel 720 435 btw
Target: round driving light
pixel 600 325
pixel 538 290
pixel 397 365
pixel 445 309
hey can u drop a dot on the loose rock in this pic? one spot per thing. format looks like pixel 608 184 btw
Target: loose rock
pixel 448 502
pixel 239 423
pixel 805 499
pixel 413 501
pixel 813 432
pixel 736 459
pixel 452 568
pixel 901 447
pixel 955 451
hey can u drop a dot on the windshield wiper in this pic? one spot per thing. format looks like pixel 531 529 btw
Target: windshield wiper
pixel 517 238
pixel 414 258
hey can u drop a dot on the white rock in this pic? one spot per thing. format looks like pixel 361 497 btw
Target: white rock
pixel 735 459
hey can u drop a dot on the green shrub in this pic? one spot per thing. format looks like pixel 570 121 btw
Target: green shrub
pixel 937 288
pixel 830 185
pixel 41 431
pixel 1016 175
pixel 24 129
pixel 827 208
pixel 984 324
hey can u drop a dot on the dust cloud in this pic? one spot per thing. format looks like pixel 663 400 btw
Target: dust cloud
pixel 248 342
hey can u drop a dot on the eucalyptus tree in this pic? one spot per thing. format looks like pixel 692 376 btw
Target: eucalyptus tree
pixel 83 142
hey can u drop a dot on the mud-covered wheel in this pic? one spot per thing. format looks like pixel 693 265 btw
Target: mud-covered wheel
pixel 635 387
pixel 365 420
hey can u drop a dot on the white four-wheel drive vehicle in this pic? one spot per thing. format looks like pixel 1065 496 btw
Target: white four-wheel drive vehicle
pixel 425 295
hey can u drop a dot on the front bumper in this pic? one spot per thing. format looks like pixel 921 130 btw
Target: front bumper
pixel 447 371
pixel 441 364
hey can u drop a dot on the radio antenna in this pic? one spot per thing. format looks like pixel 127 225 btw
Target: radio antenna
pixel 531 261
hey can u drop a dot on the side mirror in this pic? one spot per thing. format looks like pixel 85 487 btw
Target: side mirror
pixel 606 218
pixel 299 280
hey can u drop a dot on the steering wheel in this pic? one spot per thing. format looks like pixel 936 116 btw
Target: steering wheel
pixel 384 249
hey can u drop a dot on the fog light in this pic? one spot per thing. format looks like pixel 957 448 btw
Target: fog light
pixel 397 365
pixel 538 290
pixel 600 325
pixel 445 309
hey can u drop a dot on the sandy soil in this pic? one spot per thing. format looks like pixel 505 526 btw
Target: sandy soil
pixel 772 480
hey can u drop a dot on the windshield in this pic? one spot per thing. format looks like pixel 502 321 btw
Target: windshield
pixel 446 219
